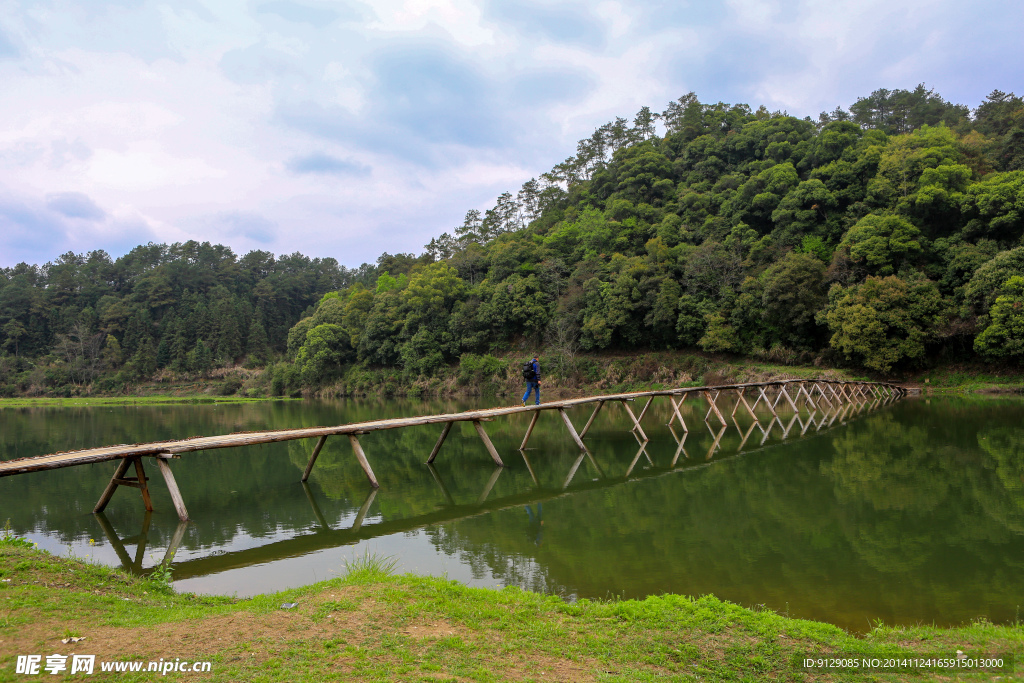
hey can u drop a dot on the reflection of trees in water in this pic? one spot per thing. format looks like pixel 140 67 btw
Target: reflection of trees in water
pixel 511 568
pixel 896 516
pixel 917 510
pixel 999 486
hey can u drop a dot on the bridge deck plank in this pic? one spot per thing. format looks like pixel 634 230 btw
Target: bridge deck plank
pixel 202 443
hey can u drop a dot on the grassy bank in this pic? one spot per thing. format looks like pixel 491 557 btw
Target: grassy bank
pixel 125 400
pixel 372 625
pixel 581 375
pixel 564 376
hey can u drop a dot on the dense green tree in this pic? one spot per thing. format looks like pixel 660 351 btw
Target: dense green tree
pixel 884 321
pixel 715 234
pixel 1004 336
pixel 882 243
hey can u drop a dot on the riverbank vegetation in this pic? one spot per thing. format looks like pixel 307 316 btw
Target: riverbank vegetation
pixel 372 625
pixel 883 239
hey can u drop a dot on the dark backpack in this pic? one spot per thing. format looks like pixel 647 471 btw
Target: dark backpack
pixel 528 374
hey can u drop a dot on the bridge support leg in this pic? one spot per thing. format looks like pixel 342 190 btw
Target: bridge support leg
pixel 440 441
pixel 636 423
pixel 572 430
pixel 172 486
pixel 586 427
pixel 108 492
pixel 138 482
pixel 312 458
pixel 529 430
pixel 363 462
pixel 487 442
pixel 714 407
pixel 676 414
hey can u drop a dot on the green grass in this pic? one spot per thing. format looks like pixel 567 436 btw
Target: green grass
pixel 958 380
pixel 128 400
pixel 370 625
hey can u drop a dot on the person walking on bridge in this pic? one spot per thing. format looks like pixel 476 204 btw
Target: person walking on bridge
pixel 531 373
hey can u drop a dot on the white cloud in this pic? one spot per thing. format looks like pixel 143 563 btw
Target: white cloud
pixel 346 129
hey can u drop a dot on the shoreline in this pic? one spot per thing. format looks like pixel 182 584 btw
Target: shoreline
pixel 372 625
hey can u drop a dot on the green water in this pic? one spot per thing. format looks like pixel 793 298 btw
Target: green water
pixel 908 513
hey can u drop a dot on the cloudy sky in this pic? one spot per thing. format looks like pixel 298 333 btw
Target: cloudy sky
pixel 345 129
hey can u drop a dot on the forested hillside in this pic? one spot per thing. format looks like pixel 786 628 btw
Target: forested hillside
pixel 885 237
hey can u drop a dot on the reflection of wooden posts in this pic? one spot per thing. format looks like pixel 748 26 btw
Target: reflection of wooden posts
pixel 312 459
pixel 718 439
pixel 490 485
pixel 316 508
pixel 487 442
pixel 440 484
pixel 116 544
pixel 139 541
pixel 176 539
pixel 681 450
pixel 750 430
pixel 364 508
pixel 805 427
pixel 785 431
pixel 593 462
pixel 586 427
pixel 529 430
pixel 529 468
pixel 440 441
pixel 636 458
pixel 575 467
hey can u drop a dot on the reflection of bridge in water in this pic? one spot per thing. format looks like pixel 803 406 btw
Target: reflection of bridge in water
pixel 809 394
pixel 804 416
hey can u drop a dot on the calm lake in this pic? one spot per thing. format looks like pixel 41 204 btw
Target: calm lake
pixel 908 513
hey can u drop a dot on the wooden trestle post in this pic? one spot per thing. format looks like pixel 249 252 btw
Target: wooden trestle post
pixel 172 486
pixel 529 431
pixel 676 415
pixel 312 459
pixel 572 430
pixel 138 482
pixel 440 440
pixel 361 457
pixel 586 427
pixel 108 492
pixel 714 407
pixel 488 444
pixel 636 423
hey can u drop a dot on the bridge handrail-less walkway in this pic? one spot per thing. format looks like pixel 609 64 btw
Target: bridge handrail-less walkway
pixel 808 391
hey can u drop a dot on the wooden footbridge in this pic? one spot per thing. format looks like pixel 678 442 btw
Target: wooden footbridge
pixel 831 397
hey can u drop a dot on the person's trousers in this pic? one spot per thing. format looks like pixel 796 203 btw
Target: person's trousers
pixel 532 386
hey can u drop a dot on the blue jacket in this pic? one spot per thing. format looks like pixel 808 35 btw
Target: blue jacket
pixel 536 370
